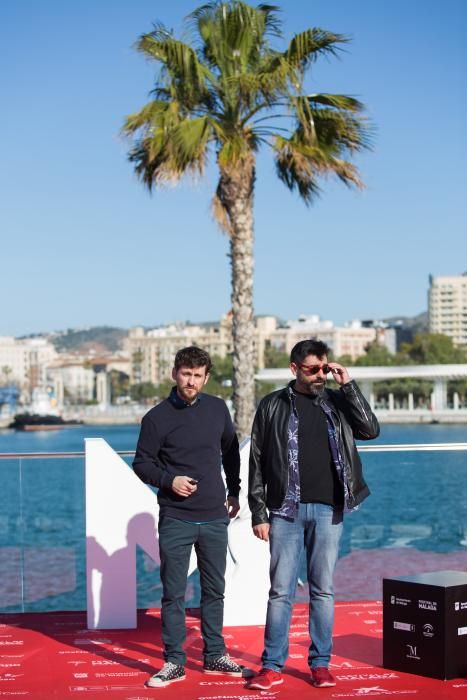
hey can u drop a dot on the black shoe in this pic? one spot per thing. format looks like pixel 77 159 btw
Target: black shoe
pixel 225 666
pixel 169 673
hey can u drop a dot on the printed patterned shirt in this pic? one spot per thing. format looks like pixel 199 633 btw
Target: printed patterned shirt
pixel 289 507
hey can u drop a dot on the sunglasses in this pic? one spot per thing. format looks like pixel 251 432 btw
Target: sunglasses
pixel 314 369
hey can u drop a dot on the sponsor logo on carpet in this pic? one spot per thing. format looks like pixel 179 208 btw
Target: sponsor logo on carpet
pixel 122 674
pixel 240 682
pixel 263 695
pixel 373 690
pixel 367 676
pixel 99 688
pixel 347 664
pixel 104 662
pixel 357 613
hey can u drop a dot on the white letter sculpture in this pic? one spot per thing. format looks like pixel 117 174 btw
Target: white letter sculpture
pixel 122 512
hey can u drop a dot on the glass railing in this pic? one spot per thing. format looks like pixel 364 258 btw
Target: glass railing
pixel 416 516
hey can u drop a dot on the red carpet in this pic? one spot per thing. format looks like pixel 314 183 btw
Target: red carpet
pixel 53 655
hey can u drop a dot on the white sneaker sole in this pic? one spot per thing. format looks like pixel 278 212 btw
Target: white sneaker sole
pixel 323 685
pixel 258 686
pixel 163 684
pixel 236 674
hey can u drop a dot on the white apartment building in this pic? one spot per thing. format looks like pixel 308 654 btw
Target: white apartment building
pixel 24 362
pixel 350 339
pixel 152 353
pixel 77 378
pixel 447 307
pixel 72 382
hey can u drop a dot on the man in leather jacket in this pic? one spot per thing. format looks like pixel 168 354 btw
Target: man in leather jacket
pixel 305 472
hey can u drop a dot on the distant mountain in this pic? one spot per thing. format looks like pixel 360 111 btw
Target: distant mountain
pixel 415 324
pixel 101 339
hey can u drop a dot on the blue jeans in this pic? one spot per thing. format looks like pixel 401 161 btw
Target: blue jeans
pixel 318 529
pixel 176 539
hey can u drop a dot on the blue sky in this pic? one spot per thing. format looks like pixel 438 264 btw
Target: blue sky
pixel 84 244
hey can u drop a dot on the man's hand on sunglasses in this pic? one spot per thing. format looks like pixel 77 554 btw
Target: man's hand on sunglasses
pixel 339 373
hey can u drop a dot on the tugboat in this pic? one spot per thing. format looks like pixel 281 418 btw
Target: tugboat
pixel 35 421
pixel 41 415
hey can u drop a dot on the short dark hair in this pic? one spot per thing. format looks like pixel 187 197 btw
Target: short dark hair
pixel 192 356
pixel 311 346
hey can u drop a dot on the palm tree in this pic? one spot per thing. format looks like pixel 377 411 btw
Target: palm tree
pixel 231 92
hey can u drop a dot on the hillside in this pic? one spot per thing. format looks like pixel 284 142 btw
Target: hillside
pixel 101 339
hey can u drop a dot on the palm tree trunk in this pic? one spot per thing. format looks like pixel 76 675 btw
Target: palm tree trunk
pixel 235 192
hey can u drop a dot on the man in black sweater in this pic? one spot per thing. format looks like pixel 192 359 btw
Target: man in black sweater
pixel 180 447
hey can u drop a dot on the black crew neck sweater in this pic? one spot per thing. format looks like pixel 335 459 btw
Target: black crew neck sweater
pixel 190 440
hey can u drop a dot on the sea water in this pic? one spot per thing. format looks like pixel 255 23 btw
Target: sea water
pixel 418 500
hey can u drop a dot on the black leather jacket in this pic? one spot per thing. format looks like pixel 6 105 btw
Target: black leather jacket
pixel 269 472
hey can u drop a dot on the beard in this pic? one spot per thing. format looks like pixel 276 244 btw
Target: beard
pixel 316 390
pixel 188 395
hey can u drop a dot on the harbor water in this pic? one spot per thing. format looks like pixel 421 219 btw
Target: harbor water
pixel 418 504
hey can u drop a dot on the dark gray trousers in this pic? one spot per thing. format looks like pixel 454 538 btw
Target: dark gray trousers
pixel 176 538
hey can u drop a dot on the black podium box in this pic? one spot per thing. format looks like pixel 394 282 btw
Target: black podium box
pixel 425 624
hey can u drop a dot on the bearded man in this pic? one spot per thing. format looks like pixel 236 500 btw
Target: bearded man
pixel 304 473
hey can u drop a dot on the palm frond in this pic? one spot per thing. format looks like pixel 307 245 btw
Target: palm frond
pixel 233 149
pixel 339 131
pixel 152 162
pixel 219 214
pixel 188 77
pixel 189 141
pixel 345 102
pixel 301 165
pixel 150 114
pixel 294 168
pixel 164 155
pixel 304 116
pixel 233 33
pixel 272 22
pixel 307 46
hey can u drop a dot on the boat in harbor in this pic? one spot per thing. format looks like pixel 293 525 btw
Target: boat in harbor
pixel 35 421
pixel 41 414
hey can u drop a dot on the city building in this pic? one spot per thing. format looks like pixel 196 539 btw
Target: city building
pixel 350 339
pixel 152 352
pixel 80 378
pixel 447 307
pixel 23 362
